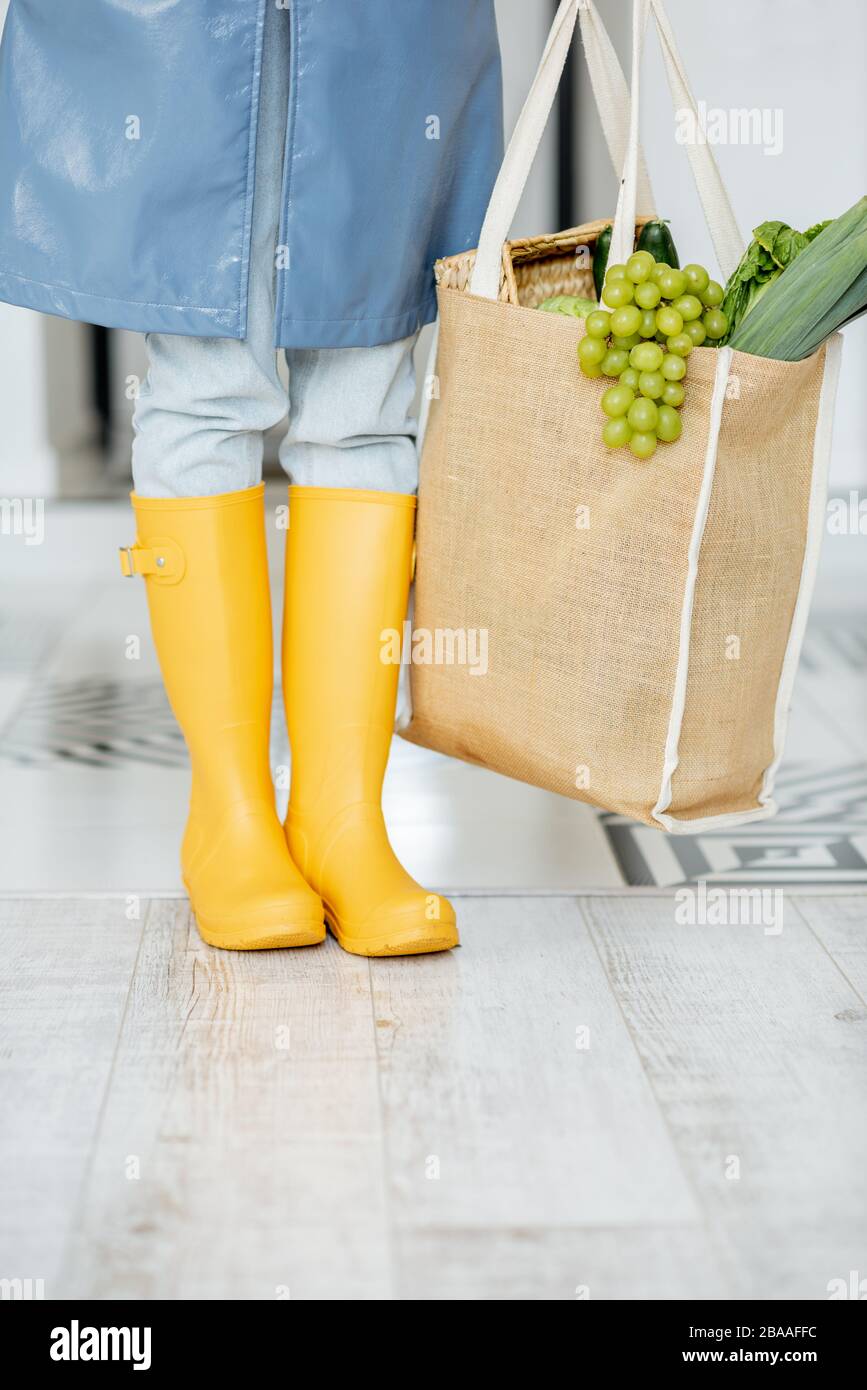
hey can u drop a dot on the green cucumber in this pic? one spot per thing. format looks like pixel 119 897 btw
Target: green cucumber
pixel 657 239
pixel 600 258
pixel 654 237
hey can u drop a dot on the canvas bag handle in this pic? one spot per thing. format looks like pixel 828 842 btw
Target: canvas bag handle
pixel 611 96
pixel 727 240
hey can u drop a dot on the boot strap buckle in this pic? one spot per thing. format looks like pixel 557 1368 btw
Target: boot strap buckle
pixel 162 561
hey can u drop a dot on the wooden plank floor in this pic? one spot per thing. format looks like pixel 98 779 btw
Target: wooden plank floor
pixel 587 1100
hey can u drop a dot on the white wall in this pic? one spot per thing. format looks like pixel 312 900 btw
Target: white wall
pixel 805 59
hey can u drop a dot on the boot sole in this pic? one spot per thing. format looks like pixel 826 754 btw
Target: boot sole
pixel 253 937
pixel 260 938
pixel 393 943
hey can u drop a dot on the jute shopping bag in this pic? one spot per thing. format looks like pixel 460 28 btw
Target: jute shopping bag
pixel 641 621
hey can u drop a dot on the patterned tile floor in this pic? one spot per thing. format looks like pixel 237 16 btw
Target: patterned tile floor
pixel 819 836
pixel 93 770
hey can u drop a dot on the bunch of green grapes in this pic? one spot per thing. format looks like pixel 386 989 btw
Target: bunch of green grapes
pixel 655 316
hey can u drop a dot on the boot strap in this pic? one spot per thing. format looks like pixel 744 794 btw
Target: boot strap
pixel 164 561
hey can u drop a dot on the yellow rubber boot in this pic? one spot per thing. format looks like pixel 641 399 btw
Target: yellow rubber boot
pixel 206 570
pixel 348 561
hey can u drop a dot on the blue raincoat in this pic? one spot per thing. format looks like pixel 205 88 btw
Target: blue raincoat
pixel 127 151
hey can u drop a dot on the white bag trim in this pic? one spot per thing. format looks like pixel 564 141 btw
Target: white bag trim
pixel 678 702
pixel 815 532
pixel 430 368
pixel 766 806
pixel 403 708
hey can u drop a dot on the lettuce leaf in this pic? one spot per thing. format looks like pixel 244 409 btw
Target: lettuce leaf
pixel 774 246
pixel 822 288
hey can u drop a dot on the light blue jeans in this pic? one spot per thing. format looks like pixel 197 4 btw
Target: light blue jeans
pixel 205 403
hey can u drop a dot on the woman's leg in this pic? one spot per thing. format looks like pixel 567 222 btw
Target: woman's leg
pixel 206 402
pixel 205 565
pixel 200 543
pixel 201 414
pixel 351 418
pixel 351 456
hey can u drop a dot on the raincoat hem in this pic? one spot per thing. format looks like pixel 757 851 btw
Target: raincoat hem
pixel 206 321
pixel 325 333
pixel 142 316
